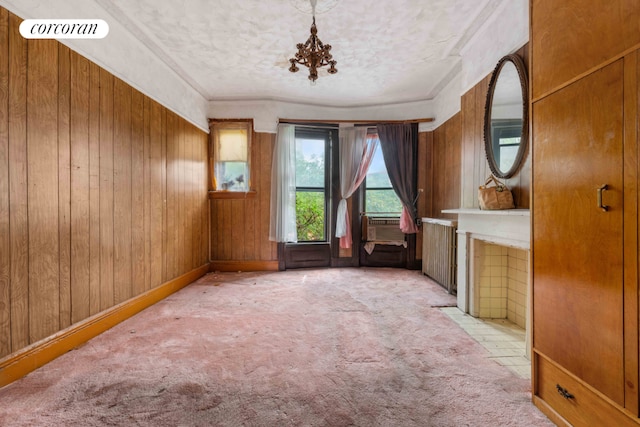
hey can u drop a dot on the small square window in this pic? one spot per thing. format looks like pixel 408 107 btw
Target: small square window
pixel 231 148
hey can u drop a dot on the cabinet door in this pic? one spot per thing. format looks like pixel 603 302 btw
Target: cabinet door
pixel 570 37
pixel 578 247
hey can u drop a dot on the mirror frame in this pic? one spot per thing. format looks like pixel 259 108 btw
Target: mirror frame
pixel 524 138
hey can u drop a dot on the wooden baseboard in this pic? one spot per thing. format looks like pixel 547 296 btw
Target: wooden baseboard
pixel 19 364
pixel 345 262
pixel 243 266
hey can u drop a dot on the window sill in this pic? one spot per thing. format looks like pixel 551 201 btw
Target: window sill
pixel 234 195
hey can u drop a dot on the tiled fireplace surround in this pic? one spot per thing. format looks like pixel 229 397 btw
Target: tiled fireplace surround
pixel 493 265
pixel 501 276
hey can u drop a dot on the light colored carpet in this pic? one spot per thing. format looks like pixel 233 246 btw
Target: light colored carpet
pixel 330 347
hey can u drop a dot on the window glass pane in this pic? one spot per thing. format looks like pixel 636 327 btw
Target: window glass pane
pixel 310 163
pixel 230 150
pixel 310 216
pixel 382 201
pixel 508 156
pixel 231 176
pixel 379 194
pixel 377 174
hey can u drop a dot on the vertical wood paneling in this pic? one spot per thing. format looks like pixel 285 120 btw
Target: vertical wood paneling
pixel 94 189
pixel 122 191
pixel 193 194
pixel 227 224
pixel 468 112
pixel 267 197
pixel 42 151
pixel 5 237
pixel 453 163
pixel 481 167
pixel 268 249
pixel 174 184
pixel 146 125
pixel 422 171
pixel 237 229
pixel 74 182
pixel 18 186
pixel 262 227
pixel 178 150
pixel 64 183
pixel 137 193
pixel 79 140
pixel 191 222
pixel 422 180
pixel 439 176
pixel 475 168
pixel 216 229
pixel 165 166
pixel 220 228
pixel 156 194
pixel 184 229
pixel 106 190
pixel 202 200
pixel 427 171
pixel 171 202
pixel 442 166
pixel 188 194
pixel 204 203
pixel 213 230
pixel 250 252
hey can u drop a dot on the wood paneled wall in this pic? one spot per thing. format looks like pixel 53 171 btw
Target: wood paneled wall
pixel 439 171
pixel 103 192
pixel 475 168
pixel 240 227
pixel 452 161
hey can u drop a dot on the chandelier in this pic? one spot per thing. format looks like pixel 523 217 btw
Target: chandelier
pixel 313 53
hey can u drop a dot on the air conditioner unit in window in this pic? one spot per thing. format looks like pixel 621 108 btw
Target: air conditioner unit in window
pixel 380 229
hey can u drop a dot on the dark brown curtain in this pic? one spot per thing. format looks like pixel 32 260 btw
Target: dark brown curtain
pixel 399 144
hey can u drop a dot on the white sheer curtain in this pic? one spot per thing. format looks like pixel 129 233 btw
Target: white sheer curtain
pixel 283 186
pixel 356 153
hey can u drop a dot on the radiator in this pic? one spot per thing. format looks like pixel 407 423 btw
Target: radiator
pixel 439 252
pixel 380 229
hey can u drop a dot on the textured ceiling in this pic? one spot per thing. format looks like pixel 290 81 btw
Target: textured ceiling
pixel 389 51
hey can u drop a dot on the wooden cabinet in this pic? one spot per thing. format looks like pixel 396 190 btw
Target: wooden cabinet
pixel 577 246
pixel 584 123
pixel 571 37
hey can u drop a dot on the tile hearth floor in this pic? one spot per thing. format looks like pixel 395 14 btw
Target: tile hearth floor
pixel 504 340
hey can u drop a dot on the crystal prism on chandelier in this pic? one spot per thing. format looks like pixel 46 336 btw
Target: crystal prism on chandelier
pixel 313 53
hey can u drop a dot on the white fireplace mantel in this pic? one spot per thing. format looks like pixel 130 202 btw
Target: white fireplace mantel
pixel 510 227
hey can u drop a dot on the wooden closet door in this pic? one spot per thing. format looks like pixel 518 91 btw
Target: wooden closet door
pixel 578 247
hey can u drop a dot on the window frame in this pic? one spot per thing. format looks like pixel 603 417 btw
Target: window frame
pixel 319 133
pixel 505 129
pixel 215 125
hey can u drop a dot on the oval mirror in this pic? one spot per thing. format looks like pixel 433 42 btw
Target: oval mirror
pixel 506 117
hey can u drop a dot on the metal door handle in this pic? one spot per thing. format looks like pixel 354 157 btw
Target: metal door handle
pixel 564 392
pixel 599 197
